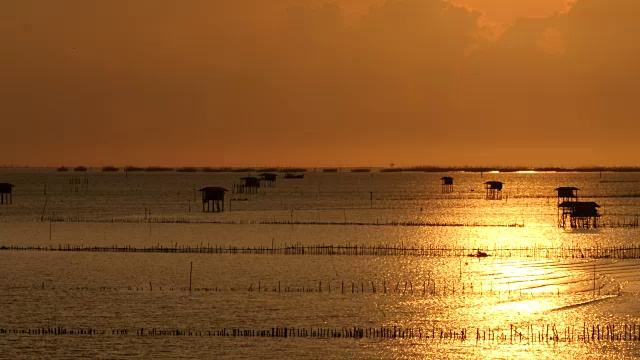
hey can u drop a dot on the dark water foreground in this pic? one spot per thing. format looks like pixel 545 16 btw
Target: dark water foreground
pixel 173 305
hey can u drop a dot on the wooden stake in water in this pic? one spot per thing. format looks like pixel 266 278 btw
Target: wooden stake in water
pixel 594 278
pixel 190 275
pixel 44 207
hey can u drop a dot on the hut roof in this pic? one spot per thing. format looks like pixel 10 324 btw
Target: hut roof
pixel 566 188
pixel 497 185
pixel 586 209
pixel 213 189
pixel 576 204
pixel 588 204
pixel 5 187
pixel 6 184
pixel 268 176
pixel 446 178
pixel 568 192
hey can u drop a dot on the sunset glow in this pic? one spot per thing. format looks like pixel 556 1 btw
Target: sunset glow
pixel 347 83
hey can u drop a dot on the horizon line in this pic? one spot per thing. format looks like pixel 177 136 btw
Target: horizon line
pixel 413 168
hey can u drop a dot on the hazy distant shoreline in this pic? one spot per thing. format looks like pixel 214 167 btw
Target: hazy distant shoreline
pixel 358 169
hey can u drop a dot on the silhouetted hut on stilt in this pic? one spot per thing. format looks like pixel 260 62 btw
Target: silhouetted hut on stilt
pixel 5 193
pixel 493 190
pixel 213 198
pixel 447 184
pixel 567 195
pixel 582 214
pixel 268 179
pixel 247 185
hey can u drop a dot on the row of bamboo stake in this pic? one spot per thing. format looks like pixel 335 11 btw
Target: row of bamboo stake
pixel 528 334
pixel 596 252
pixel 179 220
pixel 431 287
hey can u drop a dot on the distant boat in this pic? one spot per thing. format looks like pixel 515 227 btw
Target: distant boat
pixel 110 168
pixel 63 168
pixel 479 254
pixel 293 176
pixel 80 168
pixel 330 170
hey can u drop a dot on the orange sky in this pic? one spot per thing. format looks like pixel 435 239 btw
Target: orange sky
pixel 326 83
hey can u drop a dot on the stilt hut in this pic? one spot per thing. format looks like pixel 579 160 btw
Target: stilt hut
pixel 493 190
pixel 5 193
pixel 268 179
pixel 567 195
pixel 447 184
pixel 582 214
pixel 247 185
pixel 213 198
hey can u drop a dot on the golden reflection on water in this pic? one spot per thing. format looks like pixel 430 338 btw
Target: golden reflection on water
pixel 526 293
pixel 527 298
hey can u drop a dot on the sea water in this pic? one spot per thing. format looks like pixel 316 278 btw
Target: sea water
pixel 526 299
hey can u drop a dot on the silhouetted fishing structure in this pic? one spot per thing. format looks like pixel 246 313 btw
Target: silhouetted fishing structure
pixel 583 214
pixel 6 197
pixel 566 196
pixel 447 184
pixel 580 214
pixel 268 179
pixel 493 190
pixel 535 252
pixel 247 185
pixel 213 198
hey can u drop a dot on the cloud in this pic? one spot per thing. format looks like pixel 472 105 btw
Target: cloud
pixel 566 78
pixel 412 79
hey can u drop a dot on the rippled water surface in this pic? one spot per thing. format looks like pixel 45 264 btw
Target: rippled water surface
pixel 409 291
